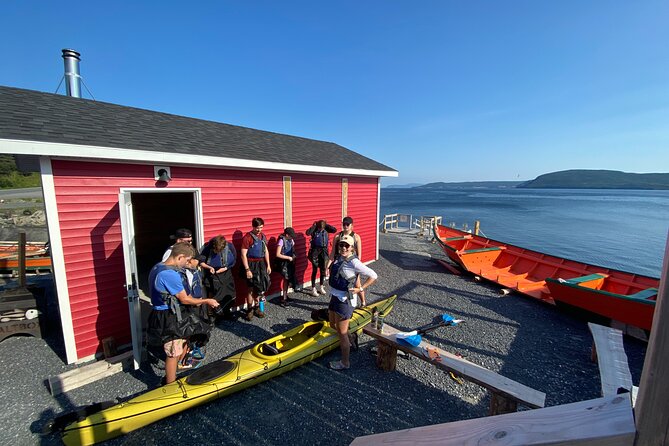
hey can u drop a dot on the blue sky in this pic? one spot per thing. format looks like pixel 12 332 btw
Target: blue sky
pixel 439 90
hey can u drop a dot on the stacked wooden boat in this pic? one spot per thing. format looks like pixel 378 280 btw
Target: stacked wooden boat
pixel 37 256
pixel 618 295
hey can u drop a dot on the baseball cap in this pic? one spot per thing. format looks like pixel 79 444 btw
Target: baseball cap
pixel 347 239
pixel 182 233
pixel 347 221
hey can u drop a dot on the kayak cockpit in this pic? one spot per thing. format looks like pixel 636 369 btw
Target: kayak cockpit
pixel 288 341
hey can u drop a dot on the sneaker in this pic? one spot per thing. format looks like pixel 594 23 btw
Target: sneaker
pixel 337 365
pixel 259 313
pixel 283 303
pixel 249 315
pixel 314 292
pixel 322 289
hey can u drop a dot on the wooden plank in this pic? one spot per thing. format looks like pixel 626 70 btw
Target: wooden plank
pixel 449 267
pixel 609 351
pixel 605 421
pixel 652 416
pixel 287 202
pixel 466 369
pixel 87 374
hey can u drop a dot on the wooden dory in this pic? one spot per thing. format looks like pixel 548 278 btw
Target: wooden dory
pixel 37 256
pixel 622 296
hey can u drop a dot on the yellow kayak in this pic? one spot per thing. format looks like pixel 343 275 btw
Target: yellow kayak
pixel 259 363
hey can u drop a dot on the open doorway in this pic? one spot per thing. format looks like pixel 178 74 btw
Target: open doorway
pixel 155 217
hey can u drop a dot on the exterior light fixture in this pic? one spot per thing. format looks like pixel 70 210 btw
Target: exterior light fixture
pixel 162 174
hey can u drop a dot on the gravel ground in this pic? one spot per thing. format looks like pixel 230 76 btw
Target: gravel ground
pixel 530 342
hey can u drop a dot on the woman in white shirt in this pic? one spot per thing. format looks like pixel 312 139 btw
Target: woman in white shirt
pixel 343 273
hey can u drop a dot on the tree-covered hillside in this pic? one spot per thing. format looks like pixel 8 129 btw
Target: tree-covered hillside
pixel 599 179
pixel 11 178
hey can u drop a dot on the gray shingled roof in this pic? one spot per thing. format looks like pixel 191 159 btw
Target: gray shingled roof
pixel 36 116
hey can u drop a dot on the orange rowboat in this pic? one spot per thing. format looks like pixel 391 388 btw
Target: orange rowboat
pixel 622 296
pixel 37 256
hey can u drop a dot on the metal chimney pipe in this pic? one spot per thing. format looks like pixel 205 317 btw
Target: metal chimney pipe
pixel 72 77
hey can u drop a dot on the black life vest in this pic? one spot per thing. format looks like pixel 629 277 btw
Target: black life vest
pixel 338 281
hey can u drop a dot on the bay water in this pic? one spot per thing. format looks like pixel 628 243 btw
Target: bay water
pixel 620 229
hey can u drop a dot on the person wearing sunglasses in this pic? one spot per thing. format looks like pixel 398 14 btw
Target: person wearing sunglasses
pixel 181 235
pixel 347 229
pixel 344 272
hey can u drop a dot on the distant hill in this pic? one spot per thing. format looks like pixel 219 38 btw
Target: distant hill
pixel 470 184
pixel 598 179
pixel 402 186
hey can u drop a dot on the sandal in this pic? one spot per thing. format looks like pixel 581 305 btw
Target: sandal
pixel 337 365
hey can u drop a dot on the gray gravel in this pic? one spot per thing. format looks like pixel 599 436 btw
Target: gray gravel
pixel 525 340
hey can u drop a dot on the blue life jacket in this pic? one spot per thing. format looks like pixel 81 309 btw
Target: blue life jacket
pixel 288 245
pixel 216 259
pixel 257 249
pixel 163 300
pixel 194 290
pixel 320 239
pixel 338 281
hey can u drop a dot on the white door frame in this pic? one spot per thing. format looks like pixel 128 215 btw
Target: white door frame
pixel 130 255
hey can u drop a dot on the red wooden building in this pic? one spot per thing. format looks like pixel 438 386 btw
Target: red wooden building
pixel 110 218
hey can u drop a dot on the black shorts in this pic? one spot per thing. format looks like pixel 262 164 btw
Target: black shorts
pixel 343 309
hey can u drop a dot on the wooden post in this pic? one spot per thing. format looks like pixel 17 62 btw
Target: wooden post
pixel 386 356
pixel 477 227
pixel 652 416
pixel 22 259
pixel 500 405
pixel 344 197
pixel 287 202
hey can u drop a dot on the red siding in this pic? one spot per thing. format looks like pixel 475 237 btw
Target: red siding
pixel 314 198
pixel 363 208
pixel 87 200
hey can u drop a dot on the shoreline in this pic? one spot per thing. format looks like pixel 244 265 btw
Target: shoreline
pixel 533 343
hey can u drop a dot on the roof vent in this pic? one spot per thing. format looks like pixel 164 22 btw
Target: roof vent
pixel 72 76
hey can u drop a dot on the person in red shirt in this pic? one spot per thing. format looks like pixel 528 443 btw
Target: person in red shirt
pixel 255 259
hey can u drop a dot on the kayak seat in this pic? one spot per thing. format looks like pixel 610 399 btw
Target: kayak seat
pixel 644 294
pixel 268 350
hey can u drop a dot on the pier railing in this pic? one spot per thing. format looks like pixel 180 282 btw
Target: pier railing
pixel 423 225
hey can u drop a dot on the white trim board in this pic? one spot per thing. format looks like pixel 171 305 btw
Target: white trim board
pixel 58 259
pixel 84 152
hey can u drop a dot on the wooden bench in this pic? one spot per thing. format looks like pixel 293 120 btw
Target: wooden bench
pixel 505 393
pixel 587 278
pixel 608 351
pixel 644 294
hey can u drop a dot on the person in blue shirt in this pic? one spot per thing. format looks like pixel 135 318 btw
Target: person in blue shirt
pixel 218 258
pixel 168 298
